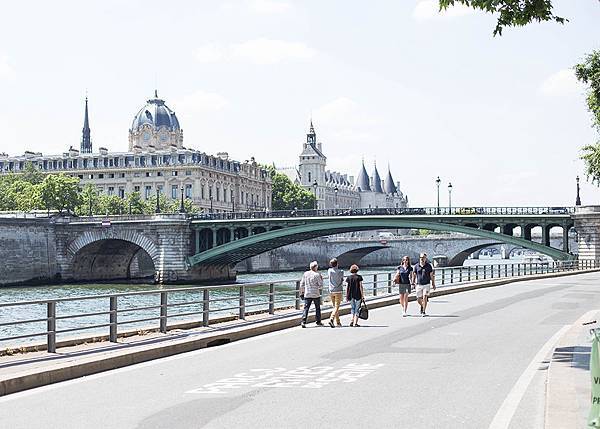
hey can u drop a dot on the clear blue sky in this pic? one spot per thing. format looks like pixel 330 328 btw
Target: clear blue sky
pixel 389 81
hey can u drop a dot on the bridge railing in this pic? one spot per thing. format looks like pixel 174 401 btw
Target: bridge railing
pixel 399 211
pixel 201 306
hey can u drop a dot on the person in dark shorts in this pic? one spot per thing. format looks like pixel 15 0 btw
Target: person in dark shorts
pixel 354 293
pixel 404 279
pixel 425 280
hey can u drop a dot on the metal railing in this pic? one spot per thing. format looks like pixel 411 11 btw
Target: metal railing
pixel 195 305
pixel 400 211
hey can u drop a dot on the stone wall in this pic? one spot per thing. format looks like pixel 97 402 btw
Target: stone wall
pixel 27 252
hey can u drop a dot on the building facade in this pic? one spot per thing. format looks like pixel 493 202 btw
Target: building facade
pixel 157 162
pixel 338 190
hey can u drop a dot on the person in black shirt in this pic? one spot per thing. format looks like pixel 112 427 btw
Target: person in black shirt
pixel 354 293
pixel 404 280
pixel 424 276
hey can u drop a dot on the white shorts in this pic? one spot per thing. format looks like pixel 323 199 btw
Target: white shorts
pixel 423 290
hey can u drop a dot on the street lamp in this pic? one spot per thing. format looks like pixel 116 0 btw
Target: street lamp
pixel 335 190
pixel 315 184
pixel 90 204
pixel 449 197
pixel 577 200
pixel 130 207
pixel 181 206
pixel 437 182
pixel 157 201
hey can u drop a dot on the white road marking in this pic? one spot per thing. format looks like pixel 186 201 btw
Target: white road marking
pixel 508 408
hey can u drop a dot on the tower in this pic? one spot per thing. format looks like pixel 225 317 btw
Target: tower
pixel 86 140
pixel 312 166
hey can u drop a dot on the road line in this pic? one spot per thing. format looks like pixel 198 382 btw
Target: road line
pixel 508 408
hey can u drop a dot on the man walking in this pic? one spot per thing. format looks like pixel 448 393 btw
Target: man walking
pixel 425 278
pixel 336 288
pixel 310 290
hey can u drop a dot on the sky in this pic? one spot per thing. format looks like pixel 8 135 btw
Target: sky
pixel 391 82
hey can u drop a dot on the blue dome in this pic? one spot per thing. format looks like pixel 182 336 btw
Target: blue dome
pixel 157 114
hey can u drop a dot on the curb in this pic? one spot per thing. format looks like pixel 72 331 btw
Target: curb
pixel 64 371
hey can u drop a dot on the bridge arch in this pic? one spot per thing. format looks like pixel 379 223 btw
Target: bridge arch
pixel 355 255
pixel 110 255
pixel 239 250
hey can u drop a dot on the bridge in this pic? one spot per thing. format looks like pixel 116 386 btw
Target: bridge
pixel 228 238
pixel 182 248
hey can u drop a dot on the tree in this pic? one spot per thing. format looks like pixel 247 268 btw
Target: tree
pixel 135 202
pixel 513 13
pixel 588 72
pixel 32 174
pixel 60 192
pixel 287 195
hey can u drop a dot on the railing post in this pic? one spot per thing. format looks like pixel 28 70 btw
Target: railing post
pixel 469 273
pixel 51 327
pixel 512 270
pixel 485 272
pixel 271 298
pixel 163 312
pixel 242 302
pixel 390 283
pixel 297 303
pixel 476 272
pixel 112 336
pixel 505 270
pixel 451 275
pixel 518 269
pixel 491 271
pixel 374 284
pixel 460 270
pixel 205 307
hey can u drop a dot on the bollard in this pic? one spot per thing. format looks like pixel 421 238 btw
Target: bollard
pixel 271 298
pixel 51 325
pixel 112 336
pixel 163 312
pixel 205 307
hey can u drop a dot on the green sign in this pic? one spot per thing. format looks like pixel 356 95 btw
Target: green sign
pixel 594 417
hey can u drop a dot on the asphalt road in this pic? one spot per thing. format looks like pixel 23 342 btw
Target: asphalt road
pixel 454 369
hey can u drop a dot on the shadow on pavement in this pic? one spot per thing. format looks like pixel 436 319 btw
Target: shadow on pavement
pixel 579 356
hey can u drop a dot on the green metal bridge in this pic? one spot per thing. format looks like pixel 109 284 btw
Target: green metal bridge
pixel 228 238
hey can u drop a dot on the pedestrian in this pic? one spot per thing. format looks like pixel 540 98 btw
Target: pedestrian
pixel 425 280
pixel 404 280
pixel 354 293
pixel 310 291
pixel 336 288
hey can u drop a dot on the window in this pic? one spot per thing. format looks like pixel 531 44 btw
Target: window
pixel 80 176
pixel 159 188
pixel 202 191
pixel 309 177
pixel 148 191
pixel 188 191
pixel 173 173
pixel 218 194
pixel 121 175
pixel 136 174
pixel 111 190
pixel 174 192
pixel 111 175
pixel 100 176
pixel 148 174
pixel 136 189
pixel 159 173
pixel 188 172
pixel 121 192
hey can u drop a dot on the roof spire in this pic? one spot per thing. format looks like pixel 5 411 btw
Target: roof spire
pixel 156 93
pixel 86 140
pixel 390 187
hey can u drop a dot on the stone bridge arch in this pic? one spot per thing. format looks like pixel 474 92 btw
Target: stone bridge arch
pixel 112 254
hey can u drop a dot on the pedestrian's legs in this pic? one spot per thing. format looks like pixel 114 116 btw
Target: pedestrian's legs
pixel 307 302
pixel 425 297
pixel 318 308
pixel 335 313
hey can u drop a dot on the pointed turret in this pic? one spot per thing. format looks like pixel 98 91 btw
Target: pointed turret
pixel 376 180
pixel 389 186
pixel 311 137
pixel 362 181
pixel 86 140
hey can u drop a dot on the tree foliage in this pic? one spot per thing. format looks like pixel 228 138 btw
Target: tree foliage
pixel 287 195
pixel 512 13
pixel 588 72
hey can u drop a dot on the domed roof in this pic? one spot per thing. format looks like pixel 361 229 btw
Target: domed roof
pixel 157 114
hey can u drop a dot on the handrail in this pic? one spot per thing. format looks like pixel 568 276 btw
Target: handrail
pixel 239 300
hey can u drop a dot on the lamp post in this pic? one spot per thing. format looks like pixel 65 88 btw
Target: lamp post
pixel 210 198
pixel 335 191
pixel 90 211
pixel 157 201
pixel 449 197
pixel 437 182
pixel 577 200
pixel 181 206
pixel 130 207
pixel 315 184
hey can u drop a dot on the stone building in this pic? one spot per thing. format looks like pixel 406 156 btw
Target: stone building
pixel 157 161
pixel 338 190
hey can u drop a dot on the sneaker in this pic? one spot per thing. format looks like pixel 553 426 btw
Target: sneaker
pixel 404 314
pixel 356 325
pixel 331 324
pixel 303 325
pixel 424 314
pixel 351 323
pixel 319 324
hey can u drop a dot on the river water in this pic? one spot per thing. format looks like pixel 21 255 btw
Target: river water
pixel 227 300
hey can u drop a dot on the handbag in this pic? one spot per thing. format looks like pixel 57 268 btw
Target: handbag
pixel 363 311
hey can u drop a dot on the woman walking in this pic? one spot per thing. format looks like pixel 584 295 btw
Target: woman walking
pixel 403 279
pixel 354 293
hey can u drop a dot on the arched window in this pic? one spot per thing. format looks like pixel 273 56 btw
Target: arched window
pixel 309 179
